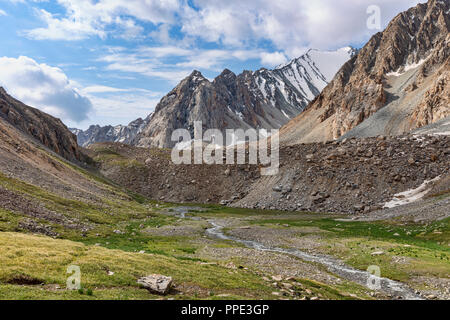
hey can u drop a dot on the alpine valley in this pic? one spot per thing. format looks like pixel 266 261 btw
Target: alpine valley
pixel 363 182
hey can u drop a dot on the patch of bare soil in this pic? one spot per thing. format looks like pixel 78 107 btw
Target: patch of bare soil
pixel 280 237
pixel 23 279
pixel 24 159
pixel 435 288
pixel 270 263
pixel 186 229
pixel 19 204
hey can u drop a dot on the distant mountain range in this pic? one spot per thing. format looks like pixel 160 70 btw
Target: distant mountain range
pixel 120 133
pixel 261 99
pixel 398 82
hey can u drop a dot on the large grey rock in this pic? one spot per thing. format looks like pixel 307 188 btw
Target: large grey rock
pixel 156 283
pixel 277 188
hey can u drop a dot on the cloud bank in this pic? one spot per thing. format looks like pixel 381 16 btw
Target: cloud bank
pixel 43 87
pixel 153 44
pixel 290 25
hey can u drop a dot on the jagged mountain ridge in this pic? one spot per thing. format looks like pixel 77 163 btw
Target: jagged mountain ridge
pixel 262 99
pixel 302 79
pixel 398 82
pixel 119 133
pixel 47 130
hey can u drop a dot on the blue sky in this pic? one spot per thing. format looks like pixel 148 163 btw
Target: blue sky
pixel 110 61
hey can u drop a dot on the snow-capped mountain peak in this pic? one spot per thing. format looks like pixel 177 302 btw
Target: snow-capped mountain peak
pixel 119 133
pixel 303 78
pixel 329 62
pixel 261 99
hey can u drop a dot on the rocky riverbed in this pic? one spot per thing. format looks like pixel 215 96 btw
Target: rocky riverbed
pixel 299 248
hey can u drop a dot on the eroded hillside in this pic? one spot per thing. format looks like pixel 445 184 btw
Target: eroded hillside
pixel 351 176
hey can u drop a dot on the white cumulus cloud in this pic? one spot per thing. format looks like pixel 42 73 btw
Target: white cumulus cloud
pixel 118 105
pixel 273 59
pixel 86 18
pixel 43 87
pixel 157 62
pixel 289 25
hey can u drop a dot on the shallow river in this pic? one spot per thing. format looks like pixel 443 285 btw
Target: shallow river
pixel 393 288
pixel 365 278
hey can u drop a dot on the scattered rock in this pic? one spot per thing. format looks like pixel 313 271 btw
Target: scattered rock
pixel 287 285
pixel 277 278
pixel 277 188
pixel 156 283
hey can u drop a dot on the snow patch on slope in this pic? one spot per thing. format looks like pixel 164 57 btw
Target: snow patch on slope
pixel 406 68
pixel 329 62
pixel 410 195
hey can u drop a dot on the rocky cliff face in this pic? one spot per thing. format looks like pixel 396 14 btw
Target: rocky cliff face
pixel 263 99
pixel 396 83
pixel 120 133
pixel 435 104
pixel 49 131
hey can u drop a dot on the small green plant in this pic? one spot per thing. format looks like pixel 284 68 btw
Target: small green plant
pixel 188 250
pixel 89 292
pixel 81 291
